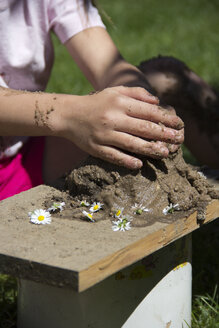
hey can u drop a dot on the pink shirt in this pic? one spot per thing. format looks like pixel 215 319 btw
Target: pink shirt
pixel 26 51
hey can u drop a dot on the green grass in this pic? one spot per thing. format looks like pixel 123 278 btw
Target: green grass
pixel 8 300
pixel 143 29
pixel 205 276
pixel 206 311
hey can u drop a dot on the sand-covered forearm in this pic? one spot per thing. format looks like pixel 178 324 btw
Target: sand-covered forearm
pixel 107 124
pixel 30 113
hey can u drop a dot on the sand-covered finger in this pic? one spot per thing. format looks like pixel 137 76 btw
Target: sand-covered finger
pixel 140 146
pixel 154 113
pixel 116 156
pixel 150 130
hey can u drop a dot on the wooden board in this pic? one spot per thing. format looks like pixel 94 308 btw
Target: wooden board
pixel 76 254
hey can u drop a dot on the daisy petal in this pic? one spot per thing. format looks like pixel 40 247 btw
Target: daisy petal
pixel 89 216
pixel 40 216
pixel 95 207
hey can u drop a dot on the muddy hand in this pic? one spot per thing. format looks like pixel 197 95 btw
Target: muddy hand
pixel 121 119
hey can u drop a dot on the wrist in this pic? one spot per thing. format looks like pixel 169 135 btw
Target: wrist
pixel 63 118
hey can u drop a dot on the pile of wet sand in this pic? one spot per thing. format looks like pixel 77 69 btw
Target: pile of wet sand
pixel 156 185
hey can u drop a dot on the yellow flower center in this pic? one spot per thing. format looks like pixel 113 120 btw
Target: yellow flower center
pixel 41 218
pixel 89 215
pixel 96 207
pixel 118 213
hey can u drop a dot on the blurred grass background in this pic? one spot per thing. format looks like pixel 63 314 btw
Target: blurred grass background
pixel 143 29
pixel 188 30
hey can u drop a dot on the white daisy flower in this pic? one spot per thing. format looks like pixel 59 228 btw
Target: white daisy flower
pixel 40 216
pixel 84 203
pixel 95 207
pixel 139 209
pixel 171 208
pixel 89 216
pixel 118 213
pixel 202 175
pixel 56 207
pixel 122 224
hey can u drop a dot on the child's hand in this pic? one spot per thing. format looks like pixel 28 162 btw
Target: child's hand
pixel 117 120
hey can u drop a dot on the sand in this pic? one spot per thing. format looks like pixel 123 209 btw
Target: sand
pixel 155 186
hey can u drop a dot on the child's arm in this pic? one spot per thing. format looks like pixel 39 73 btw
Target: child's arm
pixel 100 61
pixel 106 124
pixel 101 124
pixel 25 113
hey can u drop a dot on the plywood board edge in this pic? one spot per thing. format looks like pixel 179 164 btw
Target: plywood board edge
pixel 147 245
pixel 38 272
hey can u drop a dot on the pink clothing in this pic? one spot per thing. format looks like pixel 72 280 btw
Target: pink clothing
pixel 26 51
pixel 23 171
pixel 26 59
